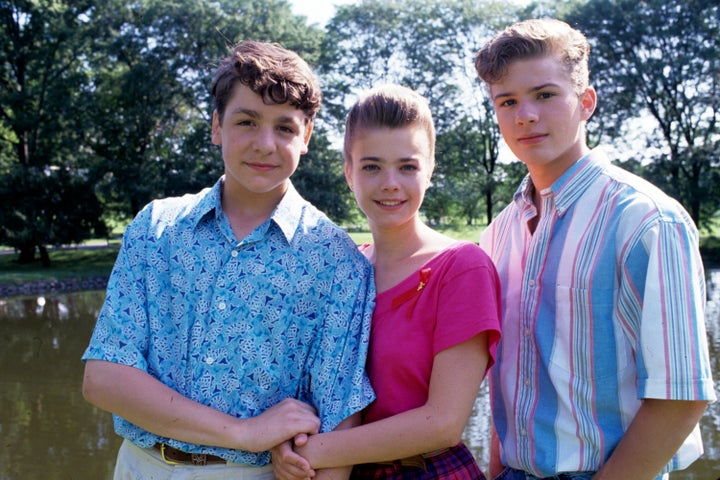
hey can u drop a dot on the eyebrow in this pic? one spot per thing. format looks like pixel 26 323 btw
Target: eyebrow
pixel 370 158
pixel 533 89
pixel 255 114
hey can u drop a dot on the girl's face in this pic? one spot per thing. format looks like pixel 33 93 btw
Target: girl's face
pixel 389 171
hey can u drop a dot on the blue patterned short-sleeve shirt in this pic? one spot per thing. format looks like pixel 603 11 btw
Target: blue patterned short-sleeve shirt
pixel 239 326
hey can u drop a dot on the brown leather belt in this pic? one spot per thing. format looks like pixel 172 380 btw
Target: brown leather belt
pixel 417 461
pixel 173 456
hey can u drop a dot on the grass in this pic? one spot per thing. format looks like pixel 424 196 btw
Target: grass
pixel 470 233
pixel 97 258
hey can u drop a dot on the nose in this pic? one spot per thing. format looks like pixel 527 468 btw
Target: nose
pixel 264 141
pixel 526 113
pixel 390 181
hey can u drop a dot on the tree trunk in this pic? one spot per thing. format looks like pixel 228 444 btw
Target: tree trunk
pixel 488 206
pixel 27 254
pixel 44 256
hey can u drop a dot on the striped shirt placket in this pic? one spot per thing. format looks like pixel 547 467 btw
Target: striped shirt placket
pixel 528 392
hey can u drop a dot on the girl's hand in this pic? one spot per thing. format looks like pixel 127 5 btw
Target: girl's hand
pixel 288 464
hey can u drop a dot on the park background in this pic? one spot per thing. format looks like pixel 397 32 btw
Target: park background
pixel 105 105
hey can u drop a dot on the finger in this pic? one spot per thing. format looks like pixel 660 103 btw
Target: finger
pixel 285 472
pixel 300 439
pixel 301 405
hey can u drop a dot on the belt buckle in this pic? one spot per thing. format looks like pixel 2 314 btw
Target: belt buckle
pixel 196 459
pixel 164 458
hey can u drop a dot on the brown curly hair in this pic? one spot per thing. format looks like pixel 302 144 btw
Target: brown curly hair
pixel 276 74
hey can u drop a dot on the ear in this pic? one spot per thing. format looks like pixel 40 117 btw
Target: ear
pixel 216 134
pixel 306 139
pixel 588 102
pixel 348 174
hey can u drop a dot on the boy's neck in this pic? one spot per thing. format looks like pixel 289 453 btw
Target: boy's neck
pixel 544 175
pixel 246 210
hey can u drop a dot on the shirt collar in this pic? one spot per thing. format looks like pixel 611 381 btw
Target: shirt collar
pixel 571 184
pixel 289 212
pixel 287 215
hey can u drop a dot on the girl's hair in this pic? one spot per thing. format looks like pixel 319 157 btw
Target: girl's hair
pixel 276 74
pixel 389 106
pixel 534 39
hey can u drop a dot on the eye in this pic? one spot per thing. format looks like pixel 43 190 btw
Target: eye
pixel 369 167
pixel 409 167
pixel 545 95
pixel 507 103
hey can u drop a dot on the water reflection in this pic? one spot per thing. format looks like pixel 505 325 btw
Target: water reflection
pixel 49 432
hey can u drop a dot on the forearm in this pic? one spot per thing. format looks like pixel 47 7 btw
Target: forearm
pixel 151 405
pixel 148 403
pixel 340 472
pixel 439 423
pixel 409 433
pixel 654 436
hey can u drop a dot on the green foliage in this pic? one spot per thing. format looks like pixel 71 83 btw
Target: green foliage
pixel 428 46
pixel 320 179
pixel 52 207
pixel 659 59
pixel 47 195
pixel 104 105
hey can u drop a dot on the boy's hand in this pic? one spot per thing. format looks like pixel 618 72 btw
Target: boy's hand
pixel 282 422
pixel 287 464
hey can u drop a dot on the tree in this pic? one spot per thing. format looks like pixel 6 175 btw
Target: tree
pixel 428 46
pixel 321 179
pixel 658 61
pixel 151 132
pixel 42 75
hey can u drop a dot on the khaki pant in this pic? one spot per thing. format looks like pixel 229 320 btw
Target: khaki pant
pixel 135 463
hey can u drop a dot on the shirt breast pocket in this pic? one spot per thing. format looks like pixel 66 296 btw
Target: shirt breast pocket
pixel 588 342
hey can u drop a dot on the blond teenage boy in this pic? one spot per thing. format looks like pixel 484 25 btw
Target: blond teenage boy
pixel 603 370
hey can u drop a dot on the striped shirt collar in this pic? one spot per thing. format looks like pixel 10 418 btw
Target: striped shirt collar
pixel 571 185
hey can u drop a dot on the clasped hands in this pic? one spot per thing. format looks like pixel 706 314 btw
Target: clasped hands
pixel 287 461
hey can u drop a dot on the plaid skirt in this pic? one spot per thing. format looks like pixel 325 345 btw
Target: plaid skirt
pixel 456 463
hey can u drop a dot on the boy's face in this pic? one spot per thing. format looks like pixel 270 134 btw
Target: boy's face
pixel 261 144
pixel 541 117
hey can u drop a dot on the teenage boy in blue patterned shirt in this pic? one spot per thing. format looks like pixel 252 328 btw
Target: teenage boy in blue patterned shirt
pixel 236 318
pixel 603 371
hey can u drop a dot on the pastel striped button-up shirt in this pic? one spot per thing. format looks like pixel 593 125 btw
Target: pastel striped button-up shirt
pixel 602 307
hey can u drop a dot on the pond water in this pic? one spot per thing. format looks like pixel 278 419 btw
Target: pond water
pixel 49 432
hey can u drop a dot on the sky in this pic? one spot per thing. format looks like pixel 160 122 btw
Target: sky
pixel 321 11
pixel 317 11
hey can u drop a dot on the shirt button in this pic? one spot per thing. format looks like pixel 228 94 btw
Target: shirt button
pixel 527 332
pixel 527 382
pixel 209 360
pixel 221 306
pixel 234 253
pixel 523 432
pixel 531 283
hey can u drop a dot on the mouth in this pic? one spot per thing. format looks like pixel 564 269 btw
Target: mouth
pixel 389 203
pixel 532 139
pixel 261 167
